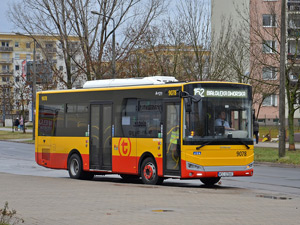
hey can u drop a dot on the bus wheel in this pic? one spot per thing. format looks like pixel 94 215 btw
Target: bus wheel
pixel 210 181
pixel 75 167
pixel 149 172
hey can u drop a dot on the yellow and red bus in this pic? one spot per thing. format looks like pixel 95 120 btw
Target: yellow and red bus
pixel 152 128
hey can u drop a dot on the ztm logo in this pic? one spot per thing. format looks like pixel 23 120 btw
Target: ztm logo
pixel 124 147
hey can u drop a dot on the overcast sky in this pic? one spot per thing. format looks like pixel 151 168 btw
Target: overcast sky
pixel 5 25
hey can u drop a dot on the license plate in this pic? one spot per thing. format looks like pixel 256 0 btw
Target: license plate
pixel 225 174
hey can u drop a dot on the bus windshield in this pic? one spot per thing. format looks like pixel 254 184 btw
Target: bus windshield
pixel 217 115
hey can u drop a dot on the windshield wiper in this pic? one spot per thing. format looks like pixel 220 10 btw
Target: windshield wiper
pixel 247 146
pixel 207 143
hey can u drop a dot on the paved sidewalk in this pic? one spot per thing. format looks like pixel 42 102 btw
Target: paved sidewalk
pixel 64 201
pixel 28 130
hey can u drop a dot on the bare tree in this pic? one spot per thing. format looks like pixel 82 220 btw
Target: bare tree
pixel 265 52
pixel 6 97
pixel 67 20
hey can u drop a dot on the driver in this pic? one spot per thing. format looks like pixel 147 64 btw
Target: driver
pixel 222 122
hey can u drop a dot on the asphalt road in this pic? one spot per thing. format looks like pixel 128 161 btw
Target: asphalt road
pixel 43 196
pixel 18 158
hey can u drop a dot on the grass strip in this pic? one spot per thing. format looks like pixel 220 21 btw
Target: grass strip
pixel 271 155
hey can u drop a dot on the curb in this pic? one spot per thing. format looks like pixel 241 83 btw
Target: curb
pixel 272 164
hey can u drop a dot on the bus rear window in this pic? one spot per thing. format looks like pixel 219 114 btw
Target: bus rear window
pixel 51 118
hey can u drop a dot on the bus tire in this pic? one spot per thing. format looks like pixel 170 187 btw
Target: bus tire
pixel 75 167
pixel 149 172
pixel 210 181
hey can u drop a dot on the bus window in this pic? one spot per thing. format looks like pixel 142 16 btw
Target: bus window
pixel 51 119
pixel 141 118
pixel 76 122
pixel 217 119
pixel 149 118
pixel 128 119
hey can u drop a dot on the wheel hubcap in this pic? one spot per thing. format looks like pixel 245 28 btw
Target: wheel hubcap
pixel 74 167
pixel 149 171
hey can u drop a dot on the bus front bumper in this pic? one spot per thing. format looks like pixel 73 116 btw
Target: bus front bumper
pixel 197 171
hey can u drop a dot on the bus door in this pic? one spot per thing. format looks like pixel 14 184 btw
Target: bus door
pixel 101 136
pixel 171 138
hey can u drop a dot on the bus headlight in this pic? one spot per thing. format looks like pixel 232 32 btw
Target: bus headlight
pixel 192 166
pixel 249 166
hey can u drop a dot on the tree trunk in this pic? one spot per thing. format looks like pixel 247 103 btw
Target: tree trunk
pixel 291 131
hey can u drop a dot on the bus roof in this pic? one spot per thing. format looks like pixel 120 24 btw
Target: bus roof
pixel 137 85
pixel 130 82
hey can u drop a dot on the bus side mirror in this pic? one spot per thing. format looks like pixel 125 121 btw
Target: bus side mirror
pixel 196 98
pixel 188 105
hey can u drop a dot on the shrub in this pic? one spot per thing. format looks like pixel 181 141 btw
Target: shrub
pixel 8 217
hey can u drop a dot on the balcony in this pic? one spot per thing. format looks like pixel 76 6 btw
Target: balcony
pixel 293 6
pixel 6 72
pixel 50 50
pixel 6 61
pixel 6 49
pixel 292 58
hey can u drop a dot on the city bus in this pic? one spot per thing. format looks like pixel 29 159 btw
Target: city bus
pixel 151 128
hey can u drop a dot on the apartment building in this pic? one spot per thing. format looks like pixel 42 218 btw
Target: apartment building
pixel 16 60
pixel 230 29
pixel 221 11
pixel 181 61
pixel 264 38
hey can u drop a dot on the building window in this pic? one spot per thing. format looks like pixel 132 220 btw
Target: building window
pixel 293 47
pixel 28 45
pixel 17 56
pixel 269 46
pixel 269 20
pixel 294 21
pixel 5 56
pixel 16 44
pixel 17 80
pixel 5 79
pixel 5 44
pixel 6 90
pixel 49 45
pixel 5 68
pixel 61 68
pixel 294 73
pixel 269 73
pixel 17 67
pixel 28 56
pixel 270 101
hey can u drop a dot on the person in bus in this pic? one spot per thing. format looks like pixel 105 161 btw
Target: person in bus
pixel 173 142
pixel 220 121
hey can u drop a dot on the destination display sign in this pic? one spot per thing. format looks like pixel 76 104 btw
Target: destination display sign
pixel 223 93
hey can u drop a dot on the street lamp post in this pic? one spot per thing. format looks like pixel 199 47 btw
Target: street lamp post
pixel 113 43
pixel 33 98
